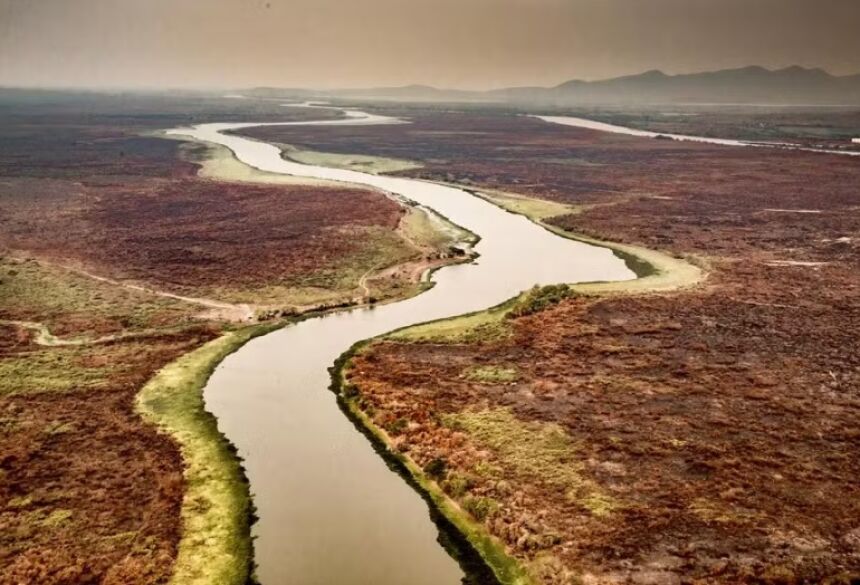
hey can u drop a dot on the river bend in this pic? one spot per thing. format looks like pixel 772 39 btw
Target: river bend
pixel 330 510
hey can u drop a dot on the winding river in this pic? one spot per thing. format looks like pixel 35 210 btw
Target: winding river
pixel 330 510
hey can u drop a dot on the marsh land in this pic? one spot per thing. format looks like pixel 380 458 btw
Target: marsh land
pixel 695 425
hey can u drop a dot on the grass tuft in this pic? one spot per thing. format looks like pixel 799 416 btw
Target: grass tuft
pixel 492 374
pixel 535 450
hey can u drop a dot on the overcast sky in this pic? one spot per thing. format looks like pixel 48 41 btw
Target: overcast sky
pixel 451 43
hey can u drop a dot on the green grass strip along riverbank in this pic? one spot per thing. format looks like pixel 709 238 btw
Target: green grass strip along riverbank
pixel 490 550
pixel 655 271
pixel 217 512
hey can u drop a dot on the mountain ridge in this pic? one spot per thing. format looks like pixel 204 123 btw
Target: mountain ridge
pixel 752 84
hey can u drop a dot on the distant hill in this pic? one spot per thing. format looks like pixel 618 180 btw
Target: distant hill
pixel 747 85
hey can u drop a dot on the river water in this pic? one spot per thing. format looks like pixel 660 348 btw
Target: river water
pixel 330 510
pixel 614 129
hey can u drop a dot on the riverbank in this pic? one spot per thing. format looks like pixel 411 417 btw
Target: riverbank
pixel 655 270
pixel 217 511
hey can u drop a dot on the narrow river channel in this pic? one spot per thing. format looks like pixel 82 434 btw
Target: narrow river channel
pixel 330 510
pixel 614 129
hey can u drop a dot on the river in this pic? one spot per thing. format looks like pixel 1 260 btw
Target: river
pixel 330 510
pixel 614 129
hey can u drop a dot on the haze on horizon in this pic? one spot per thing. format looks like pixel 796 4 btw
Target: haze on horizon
pixel 470 44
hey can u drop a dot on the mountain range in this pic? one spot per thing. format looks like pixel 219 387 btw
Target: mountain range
pixel 748 85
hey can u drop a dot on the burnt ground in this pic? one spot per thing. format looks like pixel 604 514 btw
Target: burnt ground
pixel 711 433
pixel 90 189
pixel 185 235
pixel 90 494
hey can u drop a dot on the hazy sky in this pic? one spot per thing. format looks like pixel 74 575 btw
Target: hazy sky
pixel 452 43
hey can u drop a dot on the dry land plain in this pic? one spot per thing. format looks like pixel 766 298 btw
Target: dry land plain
pixel 705 435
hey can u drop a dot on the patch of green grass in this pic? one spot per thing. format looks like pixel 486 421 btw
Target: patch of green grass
pixel 355 162
pixel 56 517
pixel 483 326
pixel 480 507
pixel 33 291
pixel 542 452
pixel 51 370
pixel 487 469
pixel 456 485
pixel 19 502
pixel 598 504
pixel 539 298
pixel 430 230
pixel 219 163
pixel 531 207
pixel 492 374
pixel 216 508
pixel 489 325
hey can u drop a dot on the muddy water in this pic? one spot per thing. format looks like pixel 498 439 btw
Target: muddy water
pixel 330 510
pixel 612 128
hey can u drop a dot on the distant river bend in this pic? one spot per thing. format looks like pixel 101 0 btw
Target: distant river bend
pixel 330 511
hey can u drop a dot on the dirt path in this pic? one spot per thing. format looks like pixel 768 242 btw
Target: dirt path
pixel 45 338
pixel 218 309
pixel 221 310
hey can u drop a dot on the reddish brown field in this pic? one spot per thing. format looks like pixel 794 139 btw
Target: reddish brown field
pixel 90 493
pixel 90 191
pixel 717 425
pixel 186 234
